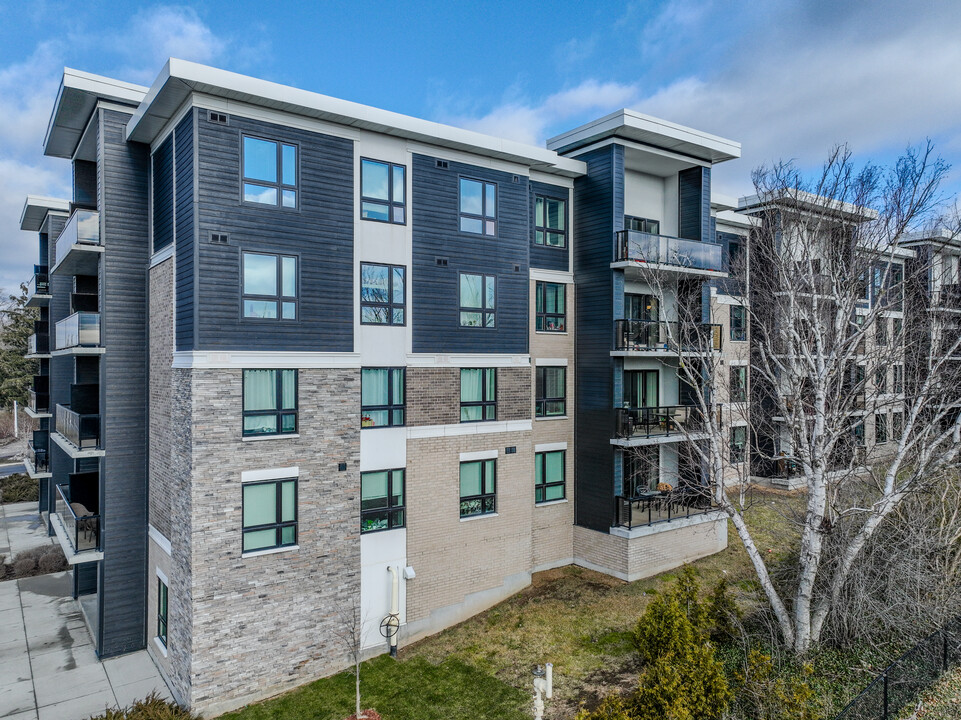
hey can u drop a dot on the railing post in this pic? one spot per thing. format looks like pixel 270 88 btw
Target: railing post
pixel 885 676
pixel 944 651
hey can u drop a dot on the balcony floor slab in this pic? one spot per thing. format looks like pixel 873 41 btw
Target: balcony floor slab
pixel 72 450
pixel 34 414
pixel 32 471
pixel 63 536
pixel 657 439
pixel 80 351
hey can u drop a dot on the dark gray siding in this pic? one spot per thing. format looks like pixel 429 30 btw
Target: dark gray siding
pixel 123 170
pixel 60 367
pixel 85 183
pixel 163 194
pixel 550 258
pixel 434 289
pixel 320 232
pixel 184 142
pixel 599 198
pixel 689 224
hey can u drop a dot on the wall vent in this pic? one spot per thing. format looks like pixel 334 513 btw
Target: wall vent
pixel 442 164
pixel 510 450
pixel 517 268
pixel 216 117
pixel 219 238
pixel 517 179
pixel 441 262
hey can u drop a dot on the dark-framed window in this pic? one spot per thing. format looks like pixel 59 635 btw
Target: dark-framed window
pixel 383 191
pixel 549 472
pixel 550 221
pixel 551 306
pixel 881 380
pixel 897 426
pixel 162 611
pixel 478 487
pixel 478 298
pixel 269 172
pixel 738 383
pixel 382 500
pixel 383 294
pixel 270 402
pixel 642 469
pixel 898 333
pixel 478 207
pixel 738 323
pixel 269 514
pixel 897 386
pixel 880 428
pixel 550 392
pixel 738 443
pixel 640 224
pixel 382 397
pixel 881 329
pixel 478 394
pixel 269 286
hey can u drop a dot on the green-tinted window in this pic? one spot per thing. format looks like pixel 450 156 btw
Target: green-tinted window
pixel 478 394
pixel 550 306
pixel 382 500
pixel 550 392
pixel 549 476
pixel 382 397
pixel 162 611
pixel 478 487
pixel 269 514
pixel 550 222
pixel 270 402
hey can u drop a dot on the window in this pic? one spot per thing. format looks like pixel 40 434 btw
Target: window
pixel 881 380
pixel 880 429
pixel 478 487
pixel 383 188
pixel 641 388
pixel 478 394
pixel 551 392
pixel 738 383
pixel 738 323
pixel 381 500
pixel 550 222
pixel 882 332
pixel 270 282
pixel 382 397
pixel 644 225
pixel 270 402
pixel 270 514
pixel 478 207
pixel 549 476
pixel 857 432
pixel 898 385
pixel 551 307
pixel 382 294
pixel 898 333
pixel 478 294
pixel 897 426
pixel 270 172
pixel 162 611
pixel 738 443
pixel 642 470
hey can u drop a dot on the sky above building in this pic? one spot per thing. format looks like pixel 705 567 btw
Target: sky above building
pixel 788 80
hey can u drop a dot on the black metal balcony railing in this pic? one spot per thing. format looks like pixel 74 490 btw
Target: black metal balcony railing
pixel 40 282
pixel 82 329
pixel 81 430
pixel 38 344
pixel 39 402
pixel 673 336
pixel 82 524
pixel 650 508
pixel 38 450
pixel 82 228
pixel 647 248
pixel 645 422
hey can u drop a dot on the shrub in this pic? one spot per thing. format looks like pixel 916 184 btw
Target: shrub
pixel 53 561
pixel 36 561
pixel 19 488
pixel 723 613
pixel 612 708
pixel 152 707
pixel 762 694
pixel 24 565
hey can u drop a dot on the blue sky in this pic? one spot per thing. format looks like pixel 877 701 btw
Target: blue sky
pixel 786 79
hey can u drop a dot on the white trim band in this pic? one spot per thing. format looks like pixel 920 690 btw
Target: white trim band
pixel 269 474
pixel 476 428
pixel 162 542
pixel 201 359
pixel 550 447
pixel 471 360
pixel 478 455
pixel 550 362
pixel 554 276
pixel 161 255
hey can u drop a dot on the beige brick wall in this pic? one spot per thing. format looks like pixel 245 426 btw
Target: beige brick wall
pixel 433 395
pixel 159 424
pixel 157 559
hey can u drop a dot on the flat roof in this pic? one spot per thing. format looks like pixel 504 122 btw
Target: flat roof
pixel 35 209
pixel 801 200
pixel 648 130
pixel 180 78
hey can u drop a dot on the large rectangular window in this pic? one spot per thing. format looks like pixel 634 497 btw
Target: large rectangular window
pixel 382 500
pixel 738 383
pixel 162 611
pixel 898 385
pixel 270 172
pixel 645 225
pixel 880 428
pixel 478 487
pixel 270 286
pixel 382 397
pixel 550 222
pixel 383 190
pixel 550 392
pixel 478 296
pixel 551 307
pixel 738 323
pixel 478 207
pixel 382 294
pixel 270 402
pixel 269 514
pixel 549 476
pixel 738 443
pixel 478 394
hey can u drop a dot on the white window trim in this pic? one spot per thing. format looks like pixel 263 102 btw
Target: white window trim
pixel 551 362
pixel 479 517
pixel 550 502
pixel 550 447
pixel 156 638
pixel 478 455
pixel 261 438
pixel 269 551
pixel 158 537
pixel 269 474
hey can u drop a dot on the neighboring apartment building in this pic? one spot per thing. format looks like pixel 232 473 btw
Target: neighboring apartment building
pixel 308 355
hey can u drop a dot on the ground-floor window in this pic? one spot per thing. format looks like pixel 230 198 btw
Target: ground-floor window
pixel 162 611
pixel 478 487
pixel 549 476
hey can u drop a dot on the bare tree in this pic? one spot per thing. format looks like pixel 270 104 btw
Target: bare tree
pixel 350 633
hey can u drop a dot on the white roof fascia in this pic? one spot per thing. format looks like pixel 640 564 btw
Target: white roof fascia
pixel 35 209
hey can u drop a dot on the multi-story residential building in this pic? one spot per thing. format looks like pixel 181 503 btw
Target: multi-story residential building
pixel 313 358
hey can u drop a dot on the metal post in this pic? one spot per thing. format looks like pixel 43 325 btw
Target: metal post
pixel 16 420
pixel 944 651
pixel 885 676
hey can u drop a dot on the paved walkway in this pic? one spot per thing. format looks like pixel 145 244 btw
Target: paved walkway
pixel 21 528
pixel 48 667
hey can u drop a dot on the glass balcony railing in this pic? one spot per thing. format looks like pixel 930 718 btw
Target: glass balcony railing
pixel 641 247
pixel 38 450
pixel 82 329
pixel 81 430
pixel 40 282
pixel 81 523
pixel 38 344
pixel 652 335
pixel 948 296
pixel 664 421
pixel 39 402
pixel 83 228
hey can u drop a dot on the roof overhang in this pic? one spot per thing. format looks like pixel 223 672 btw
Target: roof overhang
pixel 801 201
pixel 76 100
pixel 180 78
pixel 650 131
pixel 35 210
pixel 942 237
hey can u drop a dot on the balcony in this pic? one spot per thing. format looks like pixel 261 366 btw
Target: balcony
pixel 653 507
pixel 39 394
pixel 948 297
pixel 76 521
pixel 669 253
pixel 81 430
pixel 38 345
pixel 651 336
pixel 38 454
pixel 38 289
pixel 671 421
pixel 77 249
pixel 80 333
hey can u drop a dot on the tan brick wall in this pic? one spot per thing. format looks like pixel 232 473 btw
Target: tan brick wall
pixel 159 419
pixel 433 395
pixel 157 558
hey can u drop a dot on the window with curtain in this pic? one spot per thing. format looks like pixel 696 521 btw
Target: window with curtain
pixel 551 307
pixel 642 470
pixel 478 207
pixel 382 500
pixel 550 392
pixel 549 476
pixel 738 323
pixel 382 191
pixel 270 172
pixel 270 286
pixel 738 443
pixel 382 401
pixel 270 402
pixel 382 294
pixel 162 611
pixel 478 294
pixel 645 225
pixel 478 488
pixel 641 388
pixel 550 221
pixel 738 383
pixel 269 514
pixel 898 385
pixel 478 394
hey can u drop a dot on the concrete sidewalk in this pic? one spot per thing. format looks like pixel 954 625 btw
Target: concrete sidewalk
pixel 21 528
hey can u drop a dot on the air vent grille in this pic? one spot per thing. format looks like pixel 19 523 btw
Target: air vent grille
pixel 219 238
pixel 216 117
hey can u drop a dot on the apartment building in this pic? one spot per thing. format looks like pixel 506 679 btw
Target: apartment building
pixel 310 358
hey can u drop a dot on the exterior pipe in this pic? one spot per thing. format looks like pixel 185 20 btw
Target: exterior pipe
pixel 394 607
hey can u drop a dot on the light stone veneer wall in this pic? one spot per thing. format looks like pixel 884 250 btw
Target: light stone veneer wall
pixel 161 357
